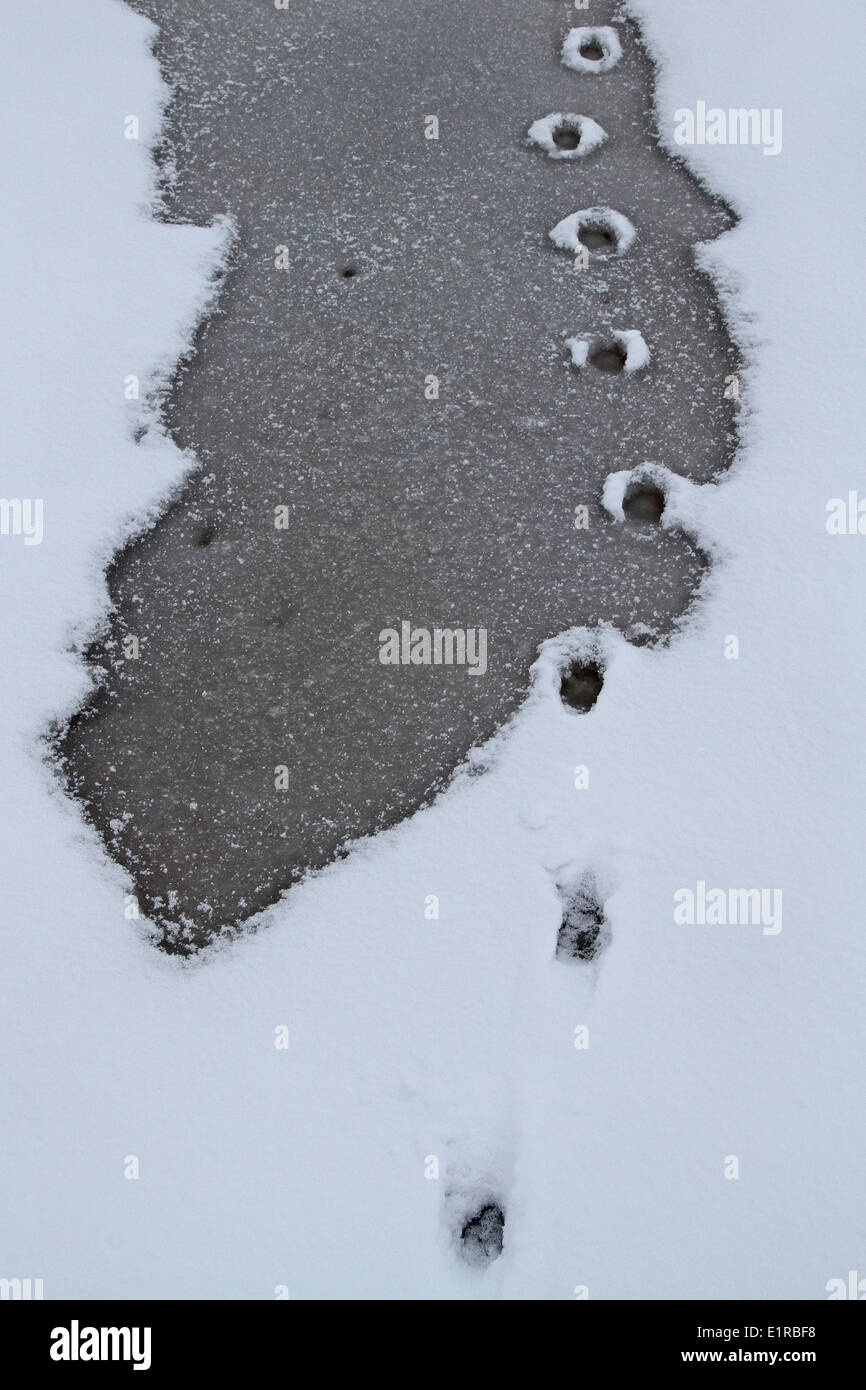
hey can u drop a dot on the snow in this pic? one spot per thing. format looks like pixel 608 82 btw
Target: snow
pixel 606 38
pixel 589 132
pixel 454 1037
pixel 637 354
pixel 579 351
pixel 672 486
pixel 566 234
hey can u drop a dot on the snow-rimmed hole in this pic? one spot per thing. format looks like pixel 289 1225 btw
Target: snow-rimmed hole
pixel 591 50
pixel 584 931
pixel 602 231
pixel 597 238
pixel 622 350
pixel 607 356
pixel 642 496
pixel 643 503
pixel 566 137
pixel 581 685
pixel 482 1235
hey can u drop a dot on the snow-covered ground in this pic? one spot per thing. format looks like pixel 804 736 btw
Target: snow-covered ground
pixel 411 1037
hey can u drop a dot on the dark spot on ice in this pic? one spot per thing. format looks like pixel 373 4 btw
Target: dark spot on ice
pixel 595 236
pixel 584 932
pixel 643 504
pixel 581 685
pixel 482 1236
pixel 566 137
pixel 592 50
pixel 349 271
pixel 607 357
pixel 205 535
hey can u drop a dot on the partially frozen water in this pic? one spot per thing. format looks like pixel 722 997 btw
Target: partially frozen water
pixel 388 429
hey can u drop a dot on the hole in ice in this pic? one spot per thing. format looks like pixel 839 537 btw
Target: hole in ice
pixel 601 230
pixel 584 931
pixel 591 50
pixel 607 357
pixel 483 1234
pixel 349 271
pixel 643 503
pixel 205 535
pixel 581 685
pixel 566 137
pixel 597 237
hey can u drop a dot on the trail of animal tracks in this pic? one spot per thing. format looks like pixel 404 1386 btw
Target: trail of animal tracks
pixel 404 408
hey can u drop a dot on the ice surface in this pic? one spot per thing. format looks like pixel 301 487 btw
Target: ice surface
pixel 257 696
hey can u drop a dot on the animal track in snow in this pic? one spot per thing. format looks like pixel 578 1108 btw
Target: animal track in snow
pixel 482 1235
pixel 591 50
pixel 643 504
pixel 584 932
pixel 581 684
pixel 567 136
pixel 601 231
pixel 641 495
pixel 624 350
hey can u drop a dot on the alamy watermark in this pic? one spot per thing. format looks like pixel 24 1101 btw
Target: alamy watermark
pixel 23 1289
pixel 851 1288
pixel 23 516
pixel 734 907
pixel 734 125
pixel 438 646
pixel 77 1343
pixel 846 517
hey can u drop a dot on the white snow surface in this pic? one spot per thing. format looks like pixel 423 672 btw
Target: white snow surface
pixel 637 354
pixel 579 350
pixel 453 1038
